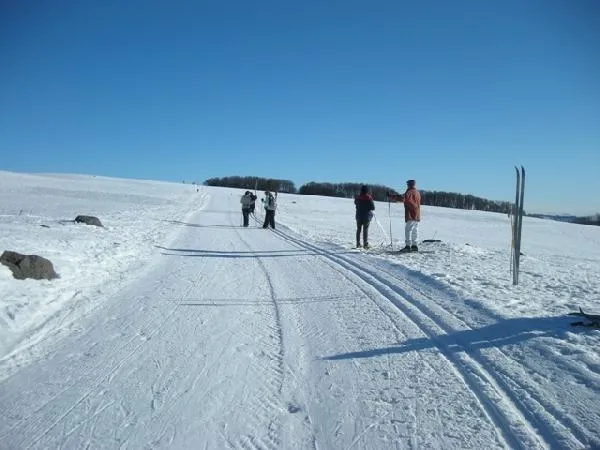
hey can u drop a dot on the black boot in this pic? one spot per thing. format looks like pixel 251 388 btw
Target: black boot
pixel 405 249
pixel 414 248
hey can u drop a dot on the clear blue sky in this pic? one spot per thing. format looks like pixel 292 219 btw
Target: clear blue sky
pixel 451 93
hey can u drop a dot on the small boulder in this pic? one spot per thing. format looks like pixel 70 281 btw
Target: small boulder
pixel 28 266
pixel 89 220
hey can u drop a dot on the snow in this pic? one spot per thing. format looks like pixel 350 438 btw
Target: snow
pixel 174 327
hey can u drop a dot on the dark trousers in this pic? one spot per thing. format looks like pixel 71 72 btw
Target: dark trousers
pixel 362 224
pixel 246 214
pixel 269 218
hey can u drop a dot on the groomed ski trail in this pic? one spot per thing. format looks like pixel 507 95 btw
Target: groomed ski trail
pixel 252 338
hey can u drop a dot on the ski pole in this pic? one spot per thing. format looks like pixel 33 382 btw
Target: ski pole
pixel 379 224
pixel 390 216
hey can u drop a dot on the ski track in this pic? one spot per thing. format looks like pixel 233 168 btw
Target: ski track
pixel 491 384
pixel 274 375
pixel 32 344
pixel 511 376
pixel 295 361
pixel 39 428
pixel 105 376
pixel 364 278
pixel 286 374
pixel 378 405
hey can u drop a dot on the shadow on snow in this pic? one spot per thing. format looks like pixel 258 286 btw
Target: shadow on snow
pixel 239 254
pixel 502 333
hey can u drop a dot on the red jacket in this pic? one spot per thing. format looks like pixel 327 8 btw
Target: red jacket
pixel 412 204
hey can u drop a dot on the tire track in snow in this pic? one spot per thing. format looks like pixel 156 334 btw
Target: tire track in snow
pixel 273 375
pixel 511 419
pixel 381 392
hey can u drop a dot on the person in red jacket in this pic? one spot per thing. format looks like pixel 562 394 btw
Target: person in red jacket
pixel 412 215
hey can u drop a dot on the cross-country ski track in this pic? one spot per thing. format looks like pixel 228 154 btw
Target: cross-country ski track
pixel 260 339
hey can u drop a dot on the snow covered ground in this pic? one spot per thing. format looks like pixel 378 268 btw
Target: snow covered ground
pixel 174 327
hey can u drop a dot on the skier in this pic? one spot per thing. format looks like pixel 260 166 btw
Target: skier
pixel 364 213
pixel 270 205
pixel 412 215
pixel 253 203
pixel 246 202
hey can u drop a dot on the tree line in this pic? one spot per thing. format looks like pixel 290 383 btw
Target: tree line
pixel 251 183
pixel 588 220
pixel 462 201
pixel 431 198
pixel 349 190
pixel 344 190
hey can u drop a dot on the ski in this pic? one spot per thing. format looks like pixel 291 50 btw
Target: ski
pixel 593 320
pixel 592 317
pixel 517 223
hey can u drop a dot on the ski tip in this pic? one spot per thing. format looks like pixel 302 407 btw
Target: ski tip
pixel 581 310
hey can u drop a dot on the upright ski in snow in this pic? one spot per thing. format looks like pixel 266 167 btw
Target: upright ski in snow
pixel 517 223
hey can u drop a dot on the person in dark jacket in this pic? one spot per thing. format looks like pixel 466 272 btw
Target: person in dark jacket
pixel 253 203
pixel 364 213
pixel 246 202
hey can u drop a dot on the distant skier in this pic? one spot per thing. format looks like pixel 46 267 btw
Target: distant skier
pixel 364 213
pixel 253 204
pixel 412 215
pixel 270 205
pixel 246 202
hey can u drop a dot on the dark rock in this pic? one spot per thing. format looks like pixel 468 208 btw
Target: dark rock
pixel 28 266
pixel 89 220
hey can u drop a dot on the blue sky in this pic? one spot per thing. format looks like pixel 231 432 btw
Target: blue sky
pixel 451 93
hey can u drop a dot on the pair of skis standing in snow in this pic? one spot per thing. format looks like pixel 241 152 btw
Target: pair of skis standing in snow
pixel 412 214
pixel 269 202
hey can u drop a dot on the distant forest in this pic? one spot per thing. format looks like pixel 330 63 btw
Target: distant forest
pixel 588 220
pixel 349 190
pixel 432 198
pixel 251 183
pixel 583 220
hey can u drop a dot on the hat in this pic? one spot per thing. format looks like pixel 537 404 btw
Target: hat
pixel 364 189
pixel 411 182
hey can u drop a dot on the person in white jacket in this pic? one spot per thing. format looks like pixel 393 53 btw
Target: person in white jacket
pixel 270 204
pixel 246 202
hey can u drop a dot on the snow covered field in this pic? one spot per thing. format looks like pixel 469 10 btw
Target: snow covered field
pixel 173 327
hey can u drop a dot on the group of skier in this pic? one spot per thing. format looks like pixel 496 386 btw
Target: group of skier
pixel 412 215
pixel 248 202
pixel 364 213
